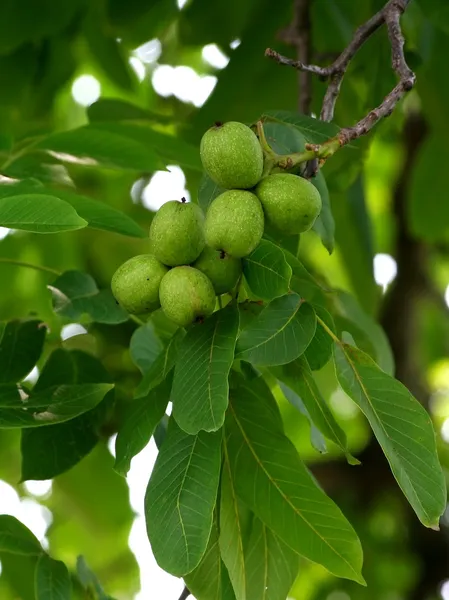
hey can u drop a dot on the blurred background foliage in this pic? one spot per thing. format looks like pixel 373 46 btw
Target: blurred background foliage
pixel 176 67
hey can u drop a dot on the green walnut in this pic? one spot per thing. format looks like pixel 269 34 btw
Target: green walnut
pixel 232 156
pixel 135 284
pixel 177 233
pixel 234 223
pixel 290 203
pixel 223 270
pixel 186 295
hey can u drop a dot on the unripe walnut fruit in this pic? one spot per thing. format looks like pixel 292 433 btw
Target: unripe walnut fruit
pixel 177 233
pixel 186 295
pixel 135 284
pixel 234 223
pixel 232 156
pixel 290 203
pixel 223 270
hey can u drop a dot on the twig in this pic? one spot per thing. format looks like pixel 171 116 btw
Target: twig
pixel 334 73
pixel 185 594
pixel 137 320
pixel 304 46
pixel 21 263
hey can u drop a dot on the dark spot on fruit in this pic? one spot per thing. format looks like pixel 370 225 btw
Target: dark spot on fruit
pixel 116 301
pixel 148 279
pixel 222 254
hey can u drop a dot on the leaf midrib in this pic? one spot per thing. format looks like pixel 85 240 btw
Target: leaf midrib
pixel 263 266
pixel 178 503
pixel 286 499
pixel 379 421
pixel 278 331
pixel 307 382
pixel 235 507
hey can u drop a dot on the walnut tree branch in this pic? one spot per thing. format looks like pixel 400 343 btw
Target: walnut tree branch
pixel 185 594
pixel 302 28
pixel 390 16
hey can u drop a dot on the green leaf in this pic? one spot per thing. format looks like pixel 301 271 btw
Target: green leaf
pixel 17 188
pixel 367 333
pixel 106 50
pixel 138 425
pixel 145 346
pixel 113 109
pixel 235 524
pixel 21 344
pixel 427 215
pixel 89 581
pixel 100 215
pixel 170 148
pixel 39 166
pixel 96 146
pixel 52 580
pixel 248 69
pixel 298 376
pixel 302 282
pixel 55 405
pixel 97 214
pixel 271 565
pixel 180 498
pixel 271 479
pixel 75 295
pixel 316 437
pixel 16 538
pixel 50 451
pixel 39 213
pixel 210 580
pixel 208 191
pixel 324 226
pixel 281 332
pixel 267 272
pixel 355 242
pixel 315 131
pixel 319 351
pixel 28 21
pixel 200 385
pixel 402 427
pixel 161 367
pixel 284 139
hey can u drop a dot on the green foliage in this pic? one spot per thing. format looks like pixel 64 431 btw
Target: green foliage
pixel 180 498
pixel 51 215
pixel 75 295
pixel 266 271
pixel 402 427
pixel 21 344
pixel 245 500
pixel 52 579
pixel 16 538
pixel 281 332
pixel 271 479
pixel 200 386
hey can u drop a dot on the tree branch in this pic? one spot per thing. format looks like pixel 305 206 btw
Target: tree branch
pixel 185 594
pixel 390 16
pixel 302 28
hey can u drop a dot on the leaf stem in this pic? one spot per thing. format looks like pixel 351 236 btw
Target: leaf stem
pixel 328 330
pixel 137 320
pixel 266 148
pixel 21 263
pixel 237 288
